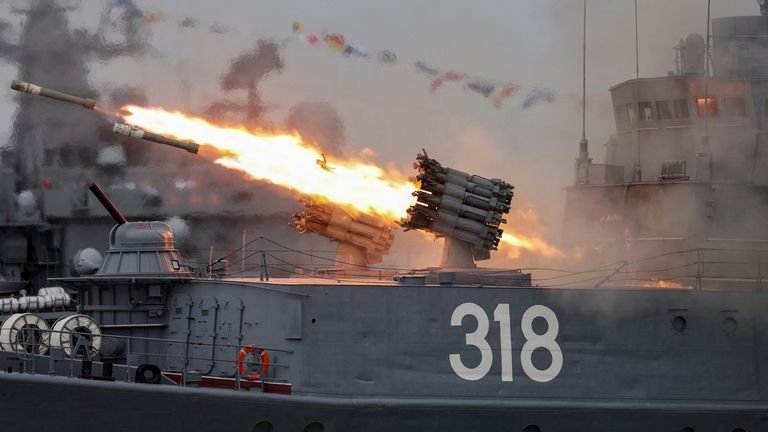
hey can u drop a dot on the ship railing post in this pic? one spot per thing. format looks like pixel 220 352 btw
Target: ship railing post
pixel 184 364
pixel 71 363
pixel 34 348
pixel 237 368
pixel 699 267
pixel 128 360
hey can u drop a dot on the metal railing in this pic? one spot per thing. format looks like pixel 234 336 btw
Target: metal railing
pixel 81 348
pixel 698 269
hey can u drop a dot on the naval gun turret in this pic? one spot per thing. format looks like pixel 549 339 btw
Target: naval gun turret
pixel 465 209
pixel 138 248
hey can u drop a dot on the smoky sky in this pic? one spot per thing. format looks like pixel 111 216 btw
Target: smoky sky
pixel 389 109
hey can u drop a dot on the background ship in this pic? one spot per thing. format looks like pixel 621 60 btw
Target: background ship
pixel 453 347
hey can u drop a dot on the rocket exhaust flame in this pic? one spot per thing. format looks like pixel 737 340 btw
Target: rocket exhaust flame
pixel 284 160
pixel 514 243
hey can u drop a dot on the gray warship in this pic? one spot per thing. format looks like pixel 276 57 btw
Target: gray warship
pixel 666 332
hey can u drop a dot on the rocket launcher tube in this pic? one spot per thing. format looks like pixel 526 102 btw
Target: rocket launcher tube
pixel 127 130
pixel 26 87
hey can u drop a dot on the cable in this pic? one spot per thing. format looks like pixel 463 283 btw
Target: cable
pixel 234 251
pixel 660 270
pixel 336 261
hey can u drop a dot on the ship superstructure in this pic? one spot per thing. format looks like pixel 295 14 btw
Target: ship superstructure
pixel 685 171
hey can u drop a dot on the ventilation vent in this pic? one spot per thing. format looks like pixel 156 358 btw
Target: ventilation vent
pixel 673 170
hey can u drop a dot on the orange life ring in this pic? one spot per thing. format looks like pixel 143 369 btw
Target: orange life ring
pixel 247 351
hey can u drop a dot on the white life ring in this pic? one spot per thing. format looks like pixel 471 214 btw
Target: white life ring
pixel 16 330
pixel 66 331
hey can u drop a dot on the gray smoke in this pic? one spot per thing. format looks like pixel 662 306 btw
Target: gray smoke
pixel 244 73
pixel 319 124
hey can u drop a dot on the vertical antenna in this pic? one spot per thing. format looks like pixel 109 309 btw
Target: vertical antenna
pixel 638 170
pixel 705 139
pixel 703 156
pixel 584 76
pixel 583 161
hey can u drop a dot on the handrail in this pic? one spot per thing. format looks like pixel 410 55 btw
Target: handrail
pixel 30 353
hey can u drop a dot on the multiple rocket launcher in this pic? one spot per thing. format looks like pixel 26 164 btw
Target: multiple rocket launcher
pixel 460 206
pixel 370 235
pixel 450 203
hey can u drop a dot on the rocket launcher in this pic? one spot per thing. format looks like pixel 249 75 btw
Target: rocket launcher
pixel 465 209
pixel 363 239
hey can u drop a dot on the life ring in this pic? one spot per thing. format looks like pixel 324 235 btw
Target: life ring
pixel 245 353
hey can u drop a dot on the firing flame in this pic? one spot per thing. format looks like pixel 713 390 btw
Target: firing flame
pixel 526 233
pixel 515 243
pixel 284 160
pixel 660 283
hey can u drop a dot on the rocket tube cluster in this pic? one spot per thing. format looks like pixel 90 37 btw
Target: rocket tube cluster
pixel 329 220
pixel 455 204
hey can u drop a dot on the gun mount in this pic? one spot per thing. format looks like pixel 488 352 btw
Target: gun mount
pixel 138 248
pixel 363 239
pixel 465 209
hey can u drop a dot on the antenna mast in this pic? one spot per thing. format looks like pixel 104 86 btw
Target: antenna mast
pixel 704 157
pixel 638 169
pixel 583 162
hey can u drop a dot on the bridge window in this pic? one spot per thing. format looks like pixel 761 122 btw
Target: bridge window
pixel 646 111
pixel 631 113
pixel 734 106
pixel 681 108
pixel 621 116
pixel 662 110
pixel 709 103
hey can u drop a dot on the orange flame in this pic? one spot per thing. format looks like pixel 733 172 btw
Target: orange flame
pixel 284 160
pixel 515 243
pixel 664 284
pixel 528 234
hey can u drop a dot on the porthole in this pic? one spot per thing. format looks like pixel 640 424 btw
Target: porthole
pixel 532 428
pixel 314 427
pixel 679 324
pixel 314 320
pixel 264 426
pixel 729 326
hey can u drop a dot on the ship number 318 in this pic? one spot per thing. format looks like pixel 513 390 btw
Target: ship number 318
pixel 533 341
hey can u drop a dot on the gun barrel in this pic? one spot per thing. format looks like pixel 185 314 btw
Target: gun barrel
pixel 107 203
pixel 128 130
pixel 26 87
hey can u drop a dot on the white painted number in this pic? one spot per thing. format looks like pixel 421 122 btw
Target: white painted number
pixel 501 315
pixel 476 339
pixel 533 341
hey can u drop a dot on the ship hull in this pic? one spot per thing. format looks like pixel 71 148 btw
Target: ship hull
pixel 39 402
